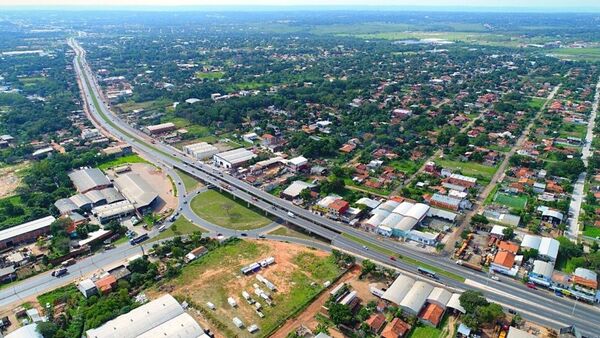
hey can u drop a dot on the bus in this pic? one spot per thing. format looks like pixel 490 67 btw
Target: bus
pixel 138 239
pixel 426 272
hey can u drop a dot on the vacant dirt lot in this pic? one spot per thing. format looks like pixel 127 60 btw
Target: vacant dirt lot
pixel 9 179
pixel 298 274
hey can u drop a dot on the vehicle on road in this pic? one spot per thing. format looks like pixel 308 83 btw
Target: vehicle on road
pixel 512 311
pixel 60 272
pixel 558 294
pixel 494 277
pixel 243 234
pixel 392 258
pixel 162 228
pixel 262 236
pixel 365 247
pixel 109 246
pixel 139 239
pixel 531 285
pixel 427 272
pixel 291 214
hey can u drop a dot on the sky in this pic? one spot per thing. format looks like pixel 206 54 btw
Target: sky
pixel 538 4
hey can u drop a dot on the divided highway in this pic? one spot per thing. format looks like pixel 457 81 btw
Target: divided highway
pixel 539 306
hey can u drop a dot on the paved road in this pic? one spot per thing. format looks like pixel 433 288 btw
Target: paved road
pixel 578 193
pixel 556 312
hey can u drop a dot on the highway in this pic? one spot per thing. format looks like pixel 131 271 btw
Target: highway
pixel 539 306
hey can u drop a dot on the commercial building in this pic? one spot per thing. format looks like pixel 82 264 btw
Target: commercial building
pixel 26 232
pixel 233 158
pixel 504 263
pixel 107 212
pixel 163 317
pixel 513 332
pixel 541 273
pixel 160 128
pixel 431 315
pixel 416 297
pixel 88 179
pixel 87 288
pixel 464 181
pixel 295 189
pixel 547 247
pixel 139 192
pixel 400 217
pixel 200 151
pixel 449 202
pixel 298 163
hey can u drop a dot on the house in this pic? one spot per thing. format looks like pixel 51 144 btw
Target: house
pixel 250 137
pixel 504 262
pixel 508 247
pixel 397 328
pixel 87 288
pixel 585 280
pixel 431 314
pixel 338 207
pixel 195 253
pixel 375 322
pixel 106 284
pixel 297 164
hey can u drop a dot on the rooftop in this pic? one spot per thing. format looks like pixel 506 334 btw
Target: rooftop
pixel 26 228
pixel 88 178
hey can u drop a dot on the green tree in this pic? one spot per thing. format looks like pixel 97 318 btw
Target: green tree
pixel 470 300
pixel 47 329
pixel 340 314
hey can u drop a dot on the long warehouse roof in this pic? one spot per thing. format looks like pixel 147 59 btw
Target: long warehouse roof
pixel 136 189
pixel 88 178
pixel 26 227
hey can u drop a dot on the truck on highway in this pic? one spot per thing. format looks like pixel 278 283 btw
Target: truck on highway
pixel 469 265
pixel 139 239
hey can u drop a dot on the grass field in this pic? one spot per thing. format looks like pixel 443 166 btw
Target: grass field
pixel 182 227
pixel 583 54
pixel 298 273
pixel 222 210
pixel 209 75
pixel 424 331
pixel 407 260
pixel 514 202
pixel 591 231
pixel 189 182
pixel 406 166
pixel 536 103
pixel 285 231
pixel 133 158
pixel 572 130
pixel 469 168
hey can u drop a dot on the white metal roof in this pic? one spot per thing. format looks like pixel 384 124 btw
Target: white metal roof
pixel 454 303
pixel 416 297
pixel 300 160
pixel 463 178
pixel 439 296
pixel 88 178
pixel 139 320
pixel 448 215
pixel 543 268
pixel 95 196
pixel 406 224
pixel 418 211
pixel 376 219
pixel 182 326
pixel 549 247
pixel 403 208
pixel 136 189
pixel 498 230
pixel 80 200
pixel 110 210
pixel 65 205
pixel 586 274
pixel 161 126
pixel 370 203
pixel 26 227
pixel 531 242
pixel 388 205
pixel 296 188
pixel 513 332
pixel 399 289
pixel 392 220
pixel 27 331
pixel 236 155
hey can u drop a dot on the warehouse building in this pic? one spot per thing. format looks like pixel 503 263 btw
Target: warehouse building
pixel 163 317
pixel 233 158
pixel 401 218
pixel 547 247
pixel 136 190
pixel 107 212
pixel 160 128
pixel 88 179
pixel 26 232
pixel 200 151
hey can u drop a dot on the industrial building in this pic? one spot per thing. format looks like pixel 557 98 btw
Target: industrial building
pixel 26 232
pixel 159 318
pixel 107 212
pixel 88 179
pixel 136 190
pixel 200 151
pixel 160 128
pixel 233 158
pixel 397 219
pixel 422 298
pixel 547 247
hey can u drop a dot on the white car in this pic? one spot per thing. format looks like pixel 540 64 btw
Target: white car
pixel 494 277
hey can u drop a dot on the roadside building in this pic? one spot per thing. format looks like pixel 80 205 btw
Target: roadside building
pixel 160 128
pixel 121 149
pixel 8 274
pixel 431 315
pixel 399 289
pixel 416 297
pixel 541 273
pixel 27 331
pixel 107 212
pixel 504 263
pixel 439 296
pixel 233 158
pixel 139 192
pixel 163 317
pixel 547 247
pixel 585 280
pixel 26 232
pixel 87 288
pixel 427 238
pixel 88 179
pixel 200 151
pixel 513 332
pixel 297 164
pixel 106 284
pixel 295 190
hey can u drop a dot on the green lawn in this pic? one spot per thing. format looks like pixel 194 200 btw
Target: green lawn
pixel 536 103
pixel 424 331
pixel 209 75
pixel 573 130
pixel 133 158
pixel 222 210
pixel 469 168
pixel 189 182
pixel 404 258
pixel 591 231
pixel 515 202
pixel 406 166
pixel 183 227
pixel 285 231
pixel 587 54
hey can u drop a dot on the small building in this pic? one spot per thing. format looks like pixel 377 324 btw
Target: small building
pixel 504 263
pixel 431 314
pixel 513 332
pixel 106 284
pixel 427 238
pixel 7 274
pixel 297 164
pixel 26 232
pixel 118 150
pixel 250 137
pixel 397 328
pixel 160 128
pixel 195 253
pixel 376 322
pixel 338 207
pixel 87 288
pixel 541 273
pixel 295 189
pixel 465 181
pixel 449 202
pixel 549 215
pixel 233 158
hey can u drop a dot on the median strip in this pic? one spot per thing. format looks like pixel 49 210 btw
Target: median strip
pixel 407 260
